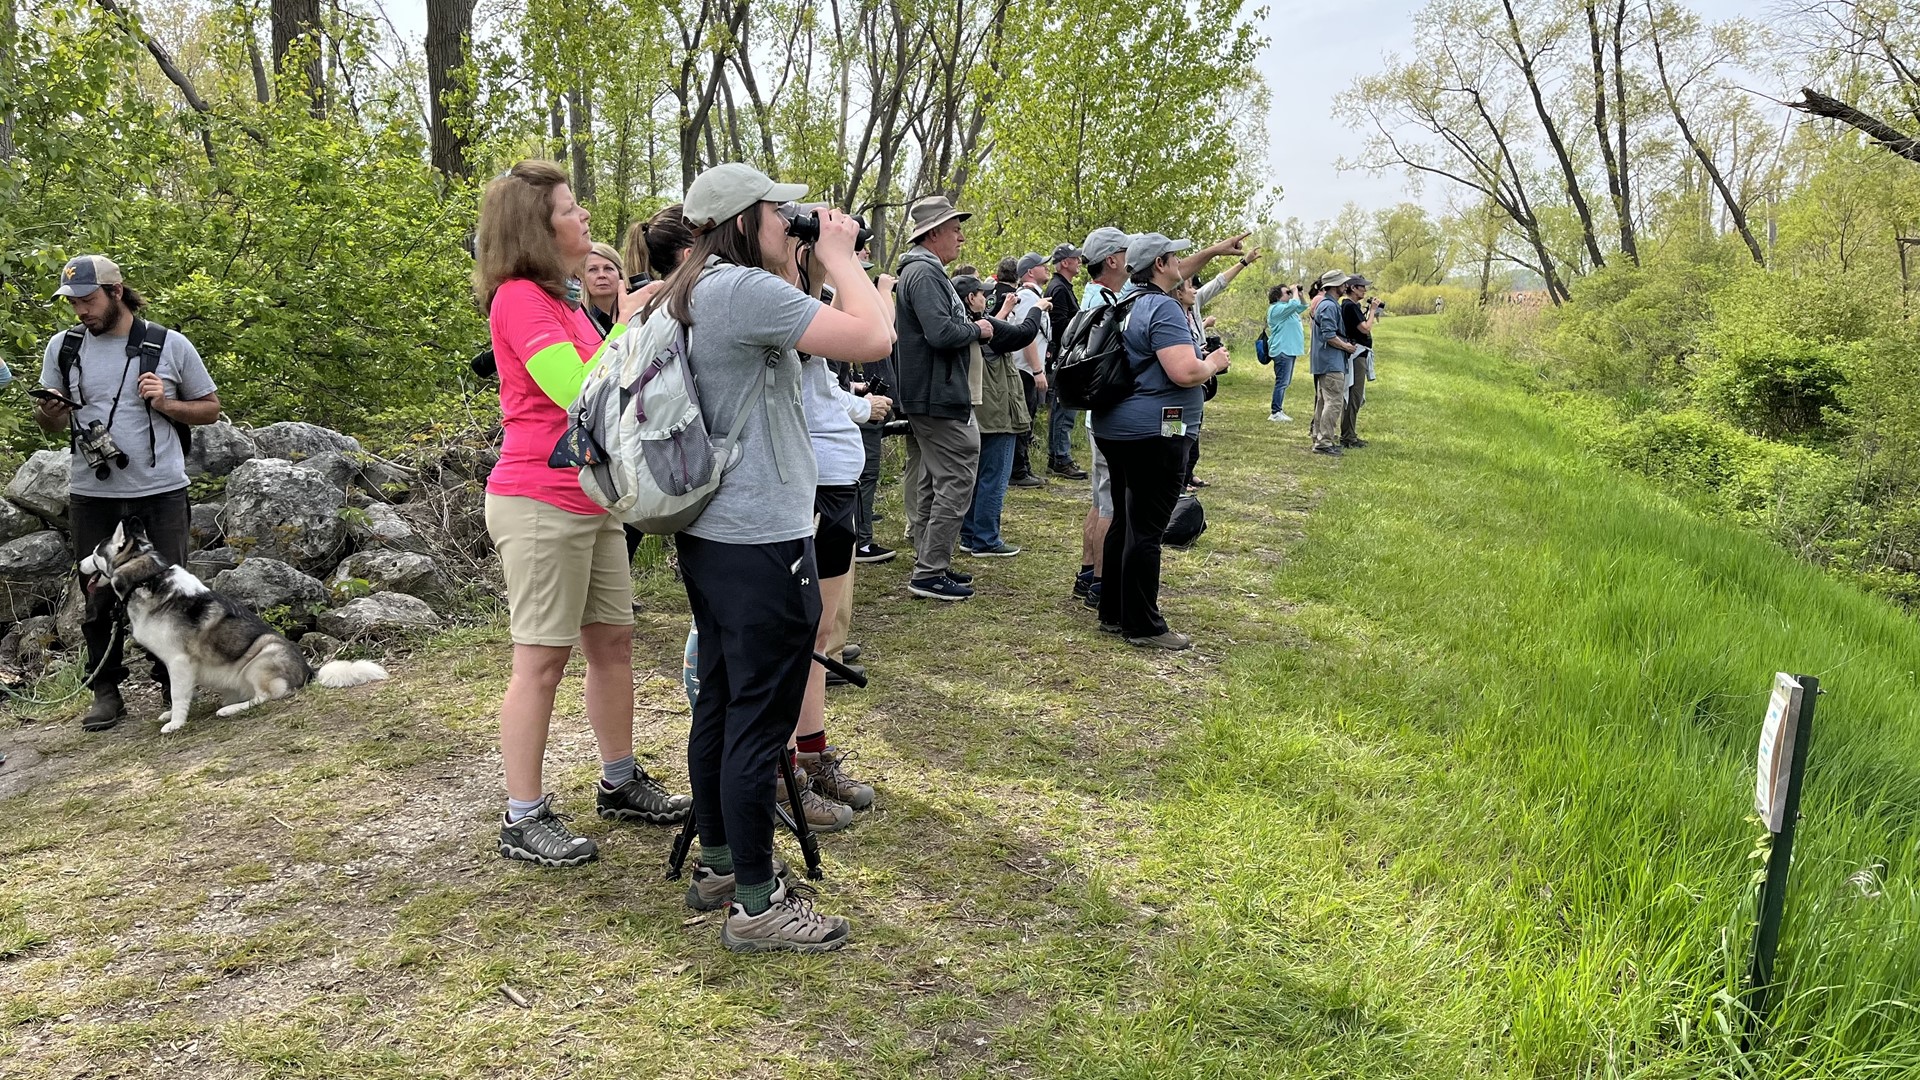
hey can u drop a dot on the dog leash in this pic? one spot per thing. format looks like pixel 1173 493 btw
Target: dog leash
pixel 86 685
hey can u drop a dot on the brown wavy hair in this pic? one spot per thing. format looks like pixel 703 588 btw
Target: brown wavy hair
pixel 515 236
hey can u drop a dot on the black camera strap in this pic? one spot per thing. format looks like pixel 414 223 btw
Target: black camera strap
pixel 145 342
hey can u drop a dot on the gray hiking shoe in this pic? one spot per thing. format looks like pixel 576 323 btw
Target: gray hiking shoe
pixel 641 799
pixel 790 925
pixel 106 710
pixel 829 779
pixel 710 891
pixel 824 815
pixel 543 837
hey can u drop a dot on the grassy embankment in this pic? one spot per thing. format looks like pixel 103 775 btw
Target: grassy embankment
pixel 1456 784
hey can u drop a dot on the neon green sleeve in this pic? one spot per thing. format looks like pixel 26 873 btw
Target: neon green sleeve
pixel 558 372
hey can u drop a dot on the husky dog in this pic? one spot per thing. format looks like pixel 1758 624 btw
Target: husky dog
pixel 205 638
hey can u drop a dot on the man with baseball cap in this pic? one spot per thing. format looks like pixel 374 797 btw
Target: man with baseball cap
pixel 1332 354
pixel 940 363
pixel 1029 274
pixel 123 390
pixel 1105 251
pixel 1067 260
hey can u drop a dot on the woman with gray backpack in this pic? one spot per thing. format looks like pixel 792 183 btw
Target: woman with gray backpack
pixel 747 561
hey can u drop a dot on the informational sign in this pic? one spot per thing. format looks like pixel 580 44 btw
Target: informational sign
pixel 1776 751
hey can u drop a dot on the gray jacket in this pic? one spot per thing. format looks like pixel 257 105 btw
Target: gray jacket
pixel 932 354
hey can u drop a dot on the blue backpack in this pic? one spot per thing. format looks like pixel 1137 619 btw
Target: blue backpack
pixel 1260 352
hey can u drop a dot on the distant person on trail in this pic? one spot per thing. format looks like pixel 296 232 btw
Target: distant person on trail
pixel 1067 261
pixel 1357 315
pixel 1106 252
pixel 563 557
pixel 1285 342
pixel 1332 361
pixel 940 367
pixel 124 391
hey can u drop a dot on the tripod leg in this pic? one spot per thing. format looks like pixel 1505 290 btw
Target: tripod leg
pixel 809 844
pixel 682 845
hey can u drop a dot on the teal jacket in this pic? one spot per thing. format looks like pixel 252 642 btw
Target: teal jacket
pixel 1284 335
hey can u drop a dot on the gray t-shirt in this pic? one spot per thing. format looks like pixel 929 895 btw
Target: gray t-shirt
pixel 1025 301
pixel 103 371
pixel 746 323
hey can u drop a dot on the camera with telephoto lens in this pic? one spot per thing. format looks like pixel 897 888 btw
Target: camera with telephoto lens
pixel 879 388
pixel 804 226
pixel 99 451
pixel 1213 343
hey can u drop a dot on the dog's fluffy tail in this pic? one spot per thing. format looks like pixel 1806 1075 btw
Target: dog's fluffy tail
pixel 340 674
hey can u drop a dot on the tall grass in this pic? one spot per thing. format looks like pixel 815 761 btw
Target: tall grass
pixel 1493 817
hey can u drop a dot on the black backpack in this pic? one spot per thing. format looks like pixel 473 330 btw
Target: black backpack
pixel 144 341
pixel 1188 522
pixel 1092 371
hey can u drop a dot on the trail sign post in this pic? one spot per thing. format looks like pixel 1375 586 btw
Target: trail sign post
pixel 1776 798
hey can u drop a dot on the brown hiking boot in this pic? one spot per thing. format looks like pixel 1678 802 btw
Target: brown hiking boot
pixel 823 814
pixel 106 710
pixel 830 780
pixel 710 891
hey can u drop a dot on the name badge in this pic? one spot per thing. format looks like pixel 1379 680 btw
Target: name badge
pixel 1171 424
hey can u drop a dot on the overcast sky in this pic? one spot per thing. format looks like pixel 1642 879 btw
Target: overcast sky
pixel 1316 51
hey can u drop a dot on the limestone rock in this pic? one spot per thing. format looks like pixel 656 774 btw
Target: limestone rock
pixel 382 614
pixel 204 529
pixel 16 523
pixel 263 584
pixel 294 440
pixel 396 571
pixel 206 565
pixel 320 647
pixel 285 511
pixel 384 527
pixel 218 449
pixel 41 484
pixel 33 573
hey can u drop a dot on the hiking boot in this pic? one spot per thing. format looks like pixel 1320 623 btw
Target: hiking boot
pixel 1066 469
pixel 872 553
pixel 543 837
pixel 957 577
pixel 1198 484
pixel 106 711
pixel 641 799
pixel 1027 481
pixel 1353 444
pixel 834 678
pixel 709 891
pixel 1093 594
pixel 1171 641
pixel 823 814
pixel 830 780
pixel 790 925
pixel 939 587
pixel 998 551
pixel 1082 583
pixel 1330 451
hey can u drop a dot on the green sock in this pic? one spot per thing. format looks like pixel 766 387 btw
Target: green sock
pixel 756 899
pixel 717 859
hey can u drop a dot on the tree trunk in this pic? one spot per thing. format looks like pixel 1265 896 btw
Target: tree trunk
pixel 579 135
pixel 1615 166
pixel 1525 60
pixel 262 89
pixel 1887 136
pixel 449 36
pixel 293 20
pixel 9 47
pixel 1707 165
pixel 556 129
pixel 1620 124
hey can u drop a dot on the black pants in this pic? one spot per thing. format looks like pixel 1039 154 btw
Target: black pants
pixel 94 519
pixel 1023 440
pixel 1146 482
pixel 869 483
pixel 756 607
pixel 1193 454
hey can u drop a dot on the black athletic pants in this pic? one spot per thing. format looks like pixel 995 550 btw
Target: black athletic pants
pixel 756 607
pixel 1146 483
pixel 1023 440
pixel 94 519
pixel 869 483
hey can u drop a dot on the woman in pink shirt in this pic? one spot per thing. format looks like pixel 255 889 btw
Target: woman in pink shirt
pixel 564 559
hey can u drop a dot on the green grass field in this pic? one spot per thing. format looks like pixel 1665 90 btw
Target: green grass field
pixel 1457 784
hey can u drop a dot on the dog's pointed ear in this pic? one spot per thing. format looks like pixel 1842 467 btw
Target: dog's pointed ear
pixel 135 530
pixel 120 535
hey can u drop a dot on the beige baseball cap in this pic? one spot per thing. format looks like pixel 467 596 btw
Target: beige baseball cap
pixel 726 191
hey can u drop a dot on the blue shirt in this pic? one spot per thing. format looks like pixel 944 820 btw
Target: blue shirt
pixel 1155 322
pixel 1284 334
pixel 1326 327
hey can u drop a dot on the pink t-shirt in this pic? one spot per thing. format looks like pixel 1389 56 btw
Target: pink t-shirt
pixel 525 320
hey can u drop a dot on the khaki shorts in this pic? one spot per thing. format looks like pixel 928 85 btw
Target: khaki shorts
pixel 563 570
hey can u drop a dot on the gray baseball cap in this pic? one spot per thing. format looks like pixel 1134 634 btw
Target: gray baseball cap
pixel 1359 280
pixel 1104 242
pixel 1065 252
pixel 1027 263
pixel 1149 247
pixel 725 191
pixel 84 274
